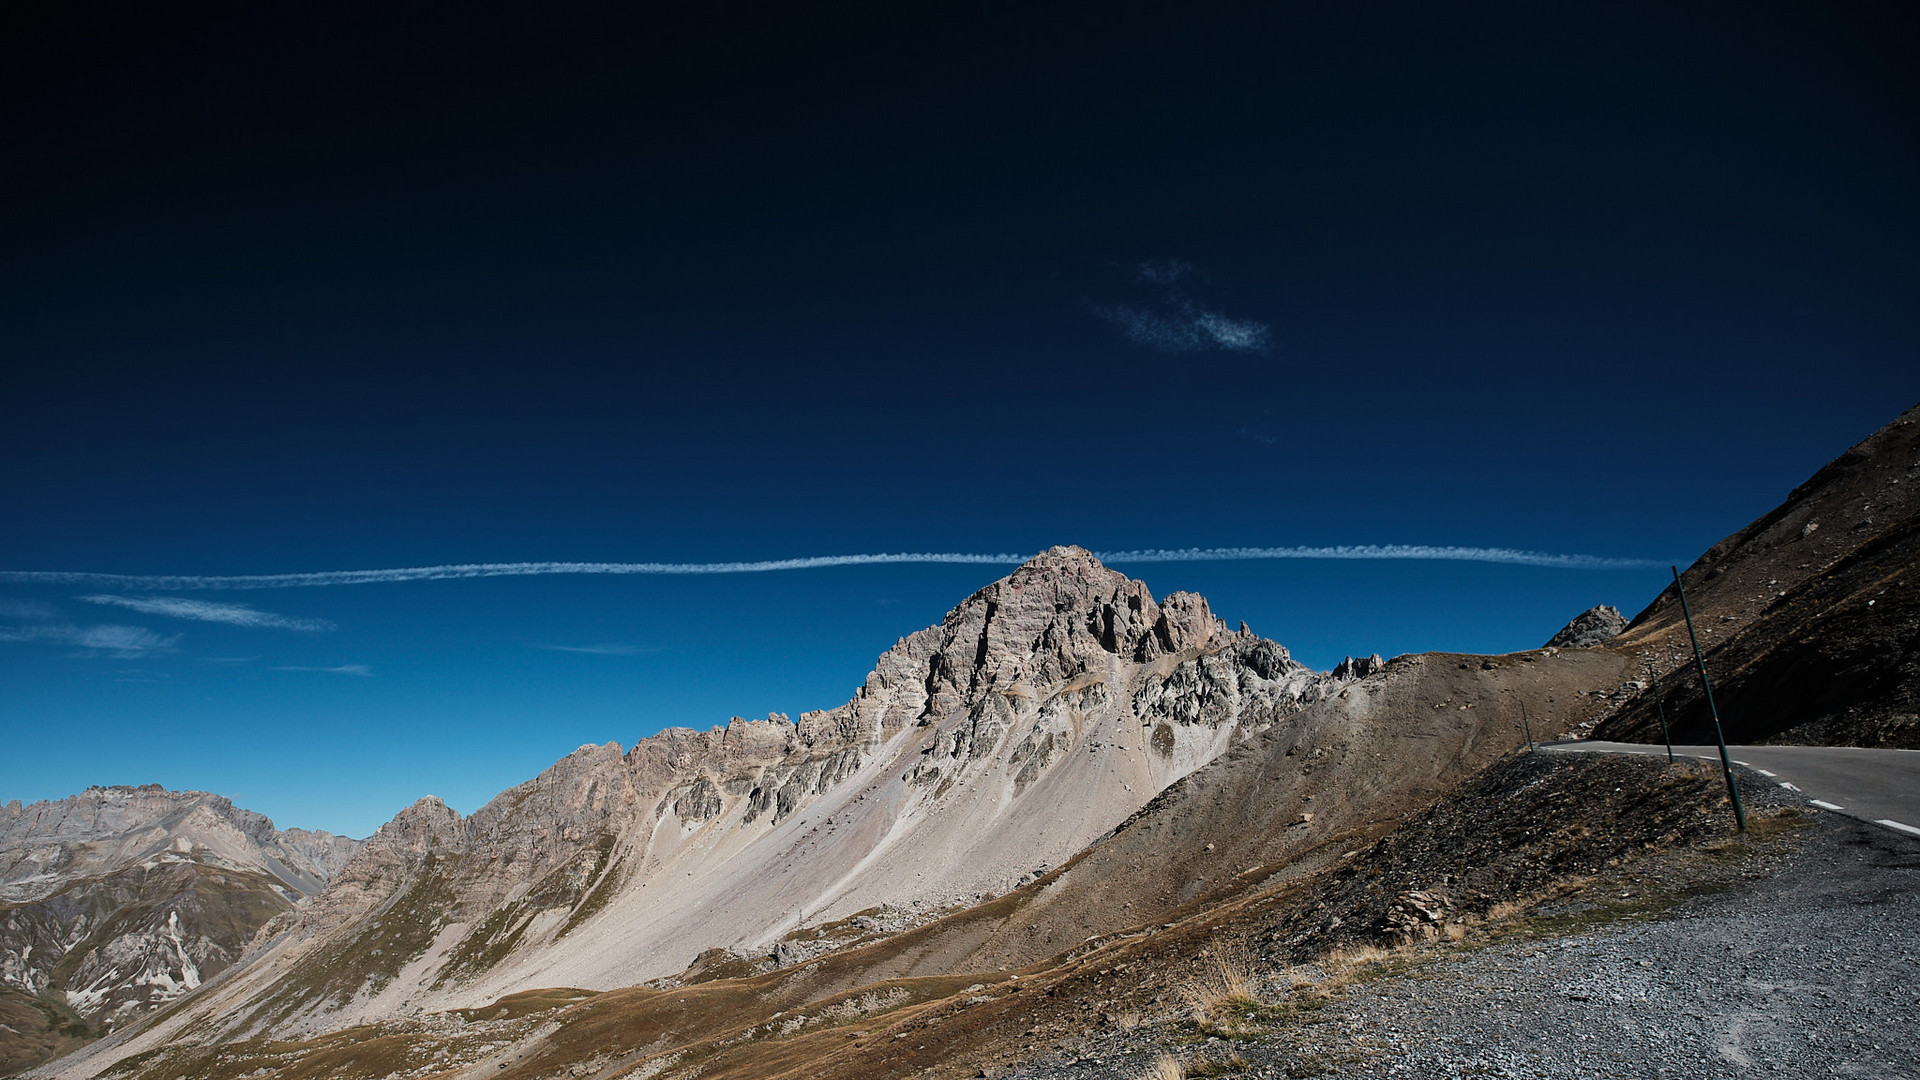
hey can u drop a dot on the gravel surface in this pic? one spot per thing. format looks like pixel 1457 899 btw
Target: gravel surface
pixel 1806 964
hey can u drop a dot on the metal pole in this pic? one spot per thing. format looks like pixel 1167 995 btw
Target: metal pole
pixel 1653 678
pixel 1726 763
pixel 1526 727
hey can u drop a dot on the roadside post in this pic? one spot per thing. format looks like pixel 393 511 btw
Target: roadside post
pixel 1526 727
pixel 1726 763
pixel 1653 680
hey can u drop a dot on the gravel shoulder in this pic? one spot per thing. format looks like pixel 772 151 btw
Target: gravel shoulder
pixel 1790 954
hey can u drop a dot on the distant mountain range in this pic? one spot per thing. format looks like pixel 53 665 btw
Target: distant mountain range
pixel 120 900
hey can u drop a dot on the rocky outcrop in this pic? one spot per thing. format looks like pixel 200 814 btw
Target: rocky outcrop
pixel 1359 667
pixel 1594 626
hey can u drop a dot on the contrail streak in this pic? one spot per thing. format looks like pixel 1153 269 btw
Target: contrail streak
pixel 1508 556
pixel 480 570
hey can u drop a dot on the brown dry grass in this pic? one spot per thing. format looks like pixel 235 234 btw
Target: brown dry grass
pixel 1225 985
pixel 1165 1067
pixel 1223 1000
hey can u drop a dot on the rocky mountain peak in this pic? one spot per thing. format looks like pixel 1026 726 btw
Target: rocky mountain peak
pixel 1041 712
pixel 414 832
pixel 426 818
pixel 1594 626
pixel 1066 562
pixel 1060 615
pixel 1063 604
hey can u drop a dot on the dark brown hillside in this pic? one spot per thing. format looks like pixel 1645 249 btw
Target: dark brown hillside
pixel 36 1029
pixel 1810 616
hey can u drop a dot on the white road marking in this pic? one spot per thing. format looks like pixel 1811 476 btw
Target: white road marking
pixel 1823 804
pixel 1788 786
pixel 1764 772
pixel 1892 824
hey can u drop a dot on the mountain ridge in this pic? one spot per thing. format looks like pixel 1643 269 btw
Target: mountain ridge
pixel 37 834
pixel 120 900
pixel 1040 713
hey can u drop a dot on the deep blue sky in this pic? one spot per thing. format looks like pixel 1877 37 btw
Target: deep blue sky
pixel 363 288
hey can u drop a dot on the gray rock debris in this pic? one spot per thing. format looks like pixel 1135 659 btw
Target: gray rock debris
pixel 1594 626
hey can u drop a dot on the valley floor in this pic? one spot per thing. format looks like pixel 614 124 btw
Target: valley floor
pixel 1795 954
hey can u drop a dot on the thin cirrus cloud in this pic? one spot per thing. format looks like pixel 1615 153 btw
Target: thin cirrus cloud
pixel 456 571
pixel 1186 328
pixel 119 642
pixel 1171 320
pixel 209 611
pixel 602 650
pixel 25 609
pixel 361 670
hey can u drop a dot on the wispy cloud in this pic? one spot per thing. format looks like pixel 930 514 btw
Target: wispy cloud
pixel 603 650
pixel 209 611
pixel 1186 328
pixel 455 571
pixel 480 570
pixel 1163 273
pixel 119 642
pixel 25 609
pixel 1173 320
pixel 361 670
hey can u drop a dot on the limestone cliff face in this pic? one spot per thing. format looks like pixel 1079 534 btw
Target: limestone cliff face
pixel 1042 712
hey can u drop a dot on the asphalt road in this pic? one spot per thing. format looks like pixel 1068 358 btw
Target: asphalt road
pixel 1880 786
